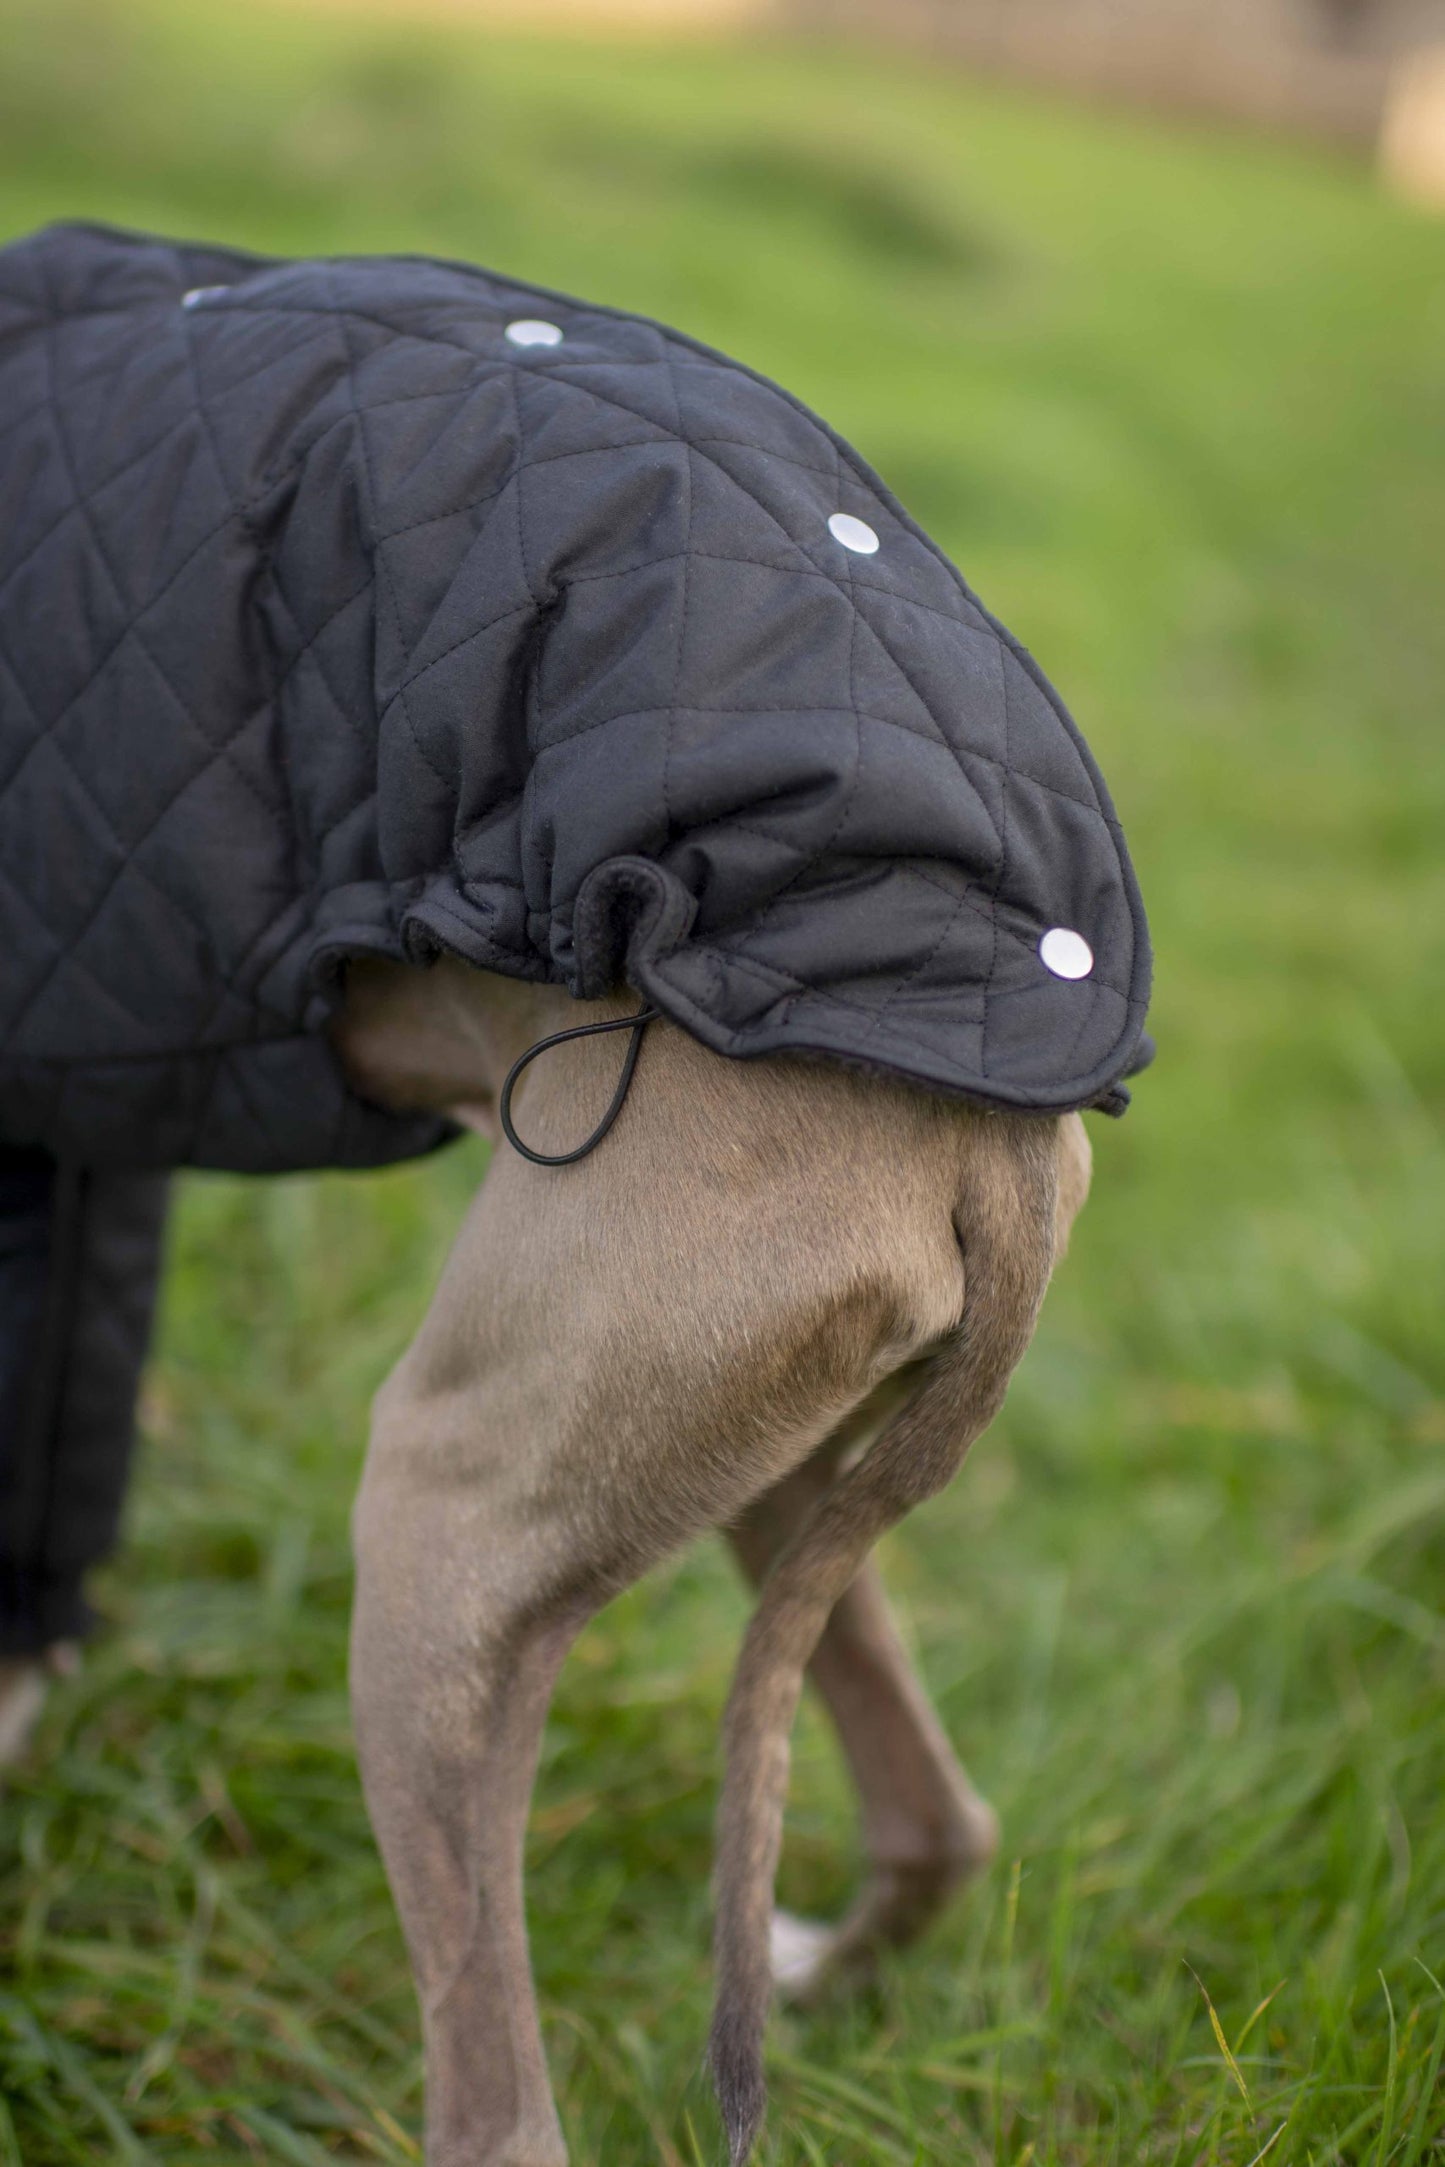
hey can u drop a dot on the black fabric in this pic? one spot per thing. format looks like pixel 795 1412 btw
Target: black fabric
pixel 79 1262
pixel 332 621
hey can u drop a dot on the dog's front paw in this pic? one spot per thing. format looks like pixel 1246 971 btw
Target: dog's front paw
pixel 24 1683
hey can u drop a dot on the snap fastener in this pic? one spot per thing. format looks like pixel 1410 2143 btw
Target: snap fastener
pixel 532 331
pixel 1066 953
pixel 198 294
pixel 854 534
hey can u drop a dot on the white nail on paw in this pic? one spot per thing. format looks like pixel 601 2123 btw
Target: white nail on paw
pixel 23 1686
pixel 799 1950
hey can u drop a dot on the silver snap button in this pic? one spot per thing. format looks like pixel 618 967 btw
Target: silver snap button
pixel 532 331
pixel 198 294
pixel 1065 953
pixel 853 533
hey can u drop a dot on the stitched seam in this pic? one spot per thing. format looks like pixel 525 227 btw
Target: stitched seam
pixel 14 423
pixel 33 548
pixel 348 312
pixel 758 923
pixel 92 976
pixel 531 692
pixel 304 651
pixel 660 435
pixel 913 870
pixel 383 575
pixel 267 482
pixel 523 466
pixel 679 351
pixel 961 902
pixel 1002 867
pixel 518 469
pixel 130 855
pixel 1084 1022
pixel 79 694
pixel 518 609
pixel 682 625
pixel 762 969
pixel 885 722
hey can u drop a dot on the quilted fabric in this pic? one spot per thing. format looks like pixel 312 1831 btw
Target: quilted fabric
pixel 334 620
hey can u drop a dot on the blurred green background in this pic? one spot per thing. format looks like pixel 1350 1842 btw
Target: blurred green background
pixel 1174 401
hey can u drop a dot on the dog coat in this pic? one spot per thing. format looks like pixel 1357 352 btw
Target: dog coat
pixel 387 606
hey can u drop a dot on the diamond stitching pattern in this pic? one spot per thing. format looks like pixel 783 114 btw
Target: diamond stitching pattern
pixel 616 385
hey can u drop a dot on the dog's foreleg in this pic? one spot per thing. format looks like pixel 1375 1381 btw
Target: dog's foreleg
pixel 925 1827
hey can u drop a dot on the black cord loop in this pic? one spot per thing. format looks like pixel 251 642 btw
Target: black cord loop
pixel 636 1025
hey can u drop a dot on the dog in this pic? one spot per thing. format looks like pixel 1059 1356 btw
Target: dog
pixel 783 1301
pixel 626 724
pixel 828 1281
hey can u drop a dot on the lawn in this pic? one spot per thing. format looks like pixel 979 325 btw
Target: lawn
pixel 1174 401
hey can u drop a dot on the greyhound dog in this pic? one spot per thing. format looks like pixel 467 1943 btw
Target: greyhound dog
pixel 400 666
pixel 783 1300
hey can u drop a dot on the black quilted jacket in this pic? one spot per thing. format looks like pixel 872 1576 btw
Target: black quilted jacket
pixel 387 606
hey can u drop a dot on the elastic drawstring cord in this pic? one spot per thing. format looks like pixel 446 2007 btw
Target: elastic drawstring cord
pixel 636 1024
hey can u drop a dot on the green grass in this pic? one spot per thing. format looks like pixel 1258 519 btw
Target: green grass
pixel 1174 401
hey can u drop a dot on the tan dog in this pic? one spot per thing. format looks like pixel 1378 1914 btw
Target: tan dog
pixel 782 1298
pixel 652 704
